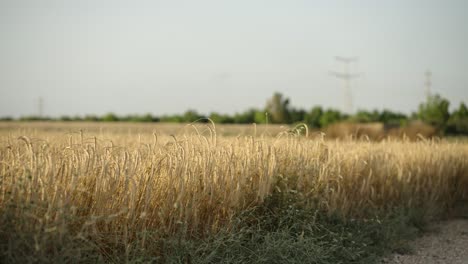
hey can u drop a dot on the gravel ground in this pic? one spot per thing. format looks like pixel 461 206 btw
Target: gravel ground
pixel 448 244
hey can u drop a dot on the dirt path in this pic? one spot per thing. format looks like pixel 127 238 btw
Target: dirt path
pixel 449 244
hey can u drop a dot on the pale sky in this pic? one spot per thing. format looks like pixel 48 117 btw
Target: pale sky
pixel 99 56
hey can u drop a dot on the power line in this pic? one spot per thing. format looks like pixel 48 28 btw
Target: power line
pixel 346 76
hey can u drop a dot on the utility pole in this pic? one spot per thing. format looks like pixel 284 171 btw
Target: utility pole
pixel 428 83
pixel 40 107
pixel 346 76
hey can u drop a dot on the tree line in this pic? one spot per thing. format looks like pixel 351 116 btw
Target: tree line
pixel 277 110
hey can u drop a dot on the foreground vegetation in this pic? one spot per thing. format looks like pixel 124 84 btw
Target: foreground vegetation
pixel 199 197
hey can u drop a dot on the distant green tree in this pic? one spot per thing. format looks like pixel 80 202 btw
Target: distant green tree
pixel 110 117
pixel 65 118
pixel 392 118
pixel 148 118
pixel 435 111
pixel 458 121
pixel 363 116
pixel 260 117
pixel 172 118
pixel 331 116
pixel 247 117
pixel 7 118
pixel 278 109
pixel 221 119
pixel 191 116
pixel 312 118
pixel 91 118
pixel 296 115
pixel 35 118
pixel 461 112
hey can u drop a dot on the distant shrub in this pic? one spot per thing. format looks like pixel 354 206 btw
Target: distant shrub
pixel 110 117
pixel 435 111
pixel 91 118
pixel 221 119
pixel 458 122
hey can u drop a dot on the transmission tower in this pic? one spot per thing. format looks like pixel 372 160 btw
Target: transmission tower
pixel 40 106
pixel 346 76
pixel 428 83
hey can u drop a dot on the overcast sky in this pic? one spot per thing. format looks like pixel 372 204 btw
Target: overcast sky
pixel 99 56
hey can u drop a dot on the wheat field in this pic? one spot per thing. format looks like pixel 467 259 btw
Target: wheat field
pixel 122 189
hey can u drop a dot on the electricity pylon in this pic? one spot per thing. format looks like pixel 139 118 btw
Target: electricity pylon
pixel 346 76
pixel 428 83
pixel 40 106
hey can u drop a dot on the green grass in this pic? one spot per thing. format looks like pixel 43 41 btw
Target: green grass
pixel 281 230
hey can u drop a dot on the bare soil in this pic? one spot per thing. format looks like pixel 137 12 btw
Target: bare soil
pixel 448 243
